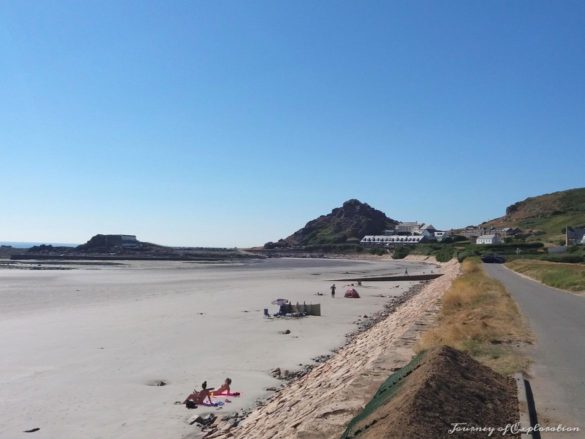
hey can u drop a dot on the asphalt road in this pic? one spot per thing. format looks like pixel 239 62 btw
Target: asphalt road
pixel 557 319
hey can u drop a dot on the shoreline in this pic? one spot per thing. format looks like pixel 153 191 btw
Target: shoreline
pixel 321 401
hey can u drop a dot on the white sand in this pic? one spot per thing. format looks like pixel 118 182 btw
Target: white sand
pixel 79 347
pixel 322 403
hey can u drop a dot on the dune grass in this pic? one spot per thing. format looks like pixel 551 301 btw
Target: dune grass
pixel 570 277
pixel 478 316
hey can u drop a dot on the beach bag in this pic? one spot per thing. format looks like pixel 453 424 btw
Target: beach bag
pixel 191 404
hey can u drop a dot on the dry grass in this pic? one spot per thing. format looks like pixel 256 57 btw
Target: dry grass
pixel 570 277
pixel 479 316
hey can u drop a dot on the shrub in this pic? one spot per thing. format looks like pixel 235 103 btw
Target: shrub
pixel 400 252
pixel 462 255
pixel 567 259
pixel 445 254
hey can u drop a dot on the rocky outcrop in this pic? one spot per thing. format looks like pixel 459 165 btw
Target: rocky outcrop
pixel 112 243
pixel 127 247
pixel 345 224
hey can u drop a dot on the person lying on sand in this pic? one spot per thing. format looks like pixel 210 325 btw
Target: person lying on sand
pixel 224 388
pixel 199 397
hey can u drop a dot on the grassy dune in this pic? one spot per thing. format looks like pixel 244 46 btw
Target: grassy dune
pixel 570 277
pixel 478 316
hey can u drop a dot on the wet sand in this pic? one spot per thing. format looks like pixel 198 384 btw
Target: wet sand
pixel 81 348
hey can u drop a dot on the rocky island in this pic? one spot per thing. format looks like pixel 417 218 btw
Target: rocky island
pixel 127 247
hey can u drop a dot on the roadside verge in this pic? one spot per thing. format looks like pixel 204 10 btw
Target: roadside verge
pixel 478 316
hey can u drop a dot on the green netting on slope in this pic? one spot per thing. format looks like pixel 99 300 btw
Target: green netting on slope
pixel 384 394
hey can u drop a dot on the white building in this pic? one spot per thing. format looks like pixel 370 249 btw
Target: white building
pixel 408 227
pixel 405 233
pixel 387 240
pixel 441 234
pixel 488 239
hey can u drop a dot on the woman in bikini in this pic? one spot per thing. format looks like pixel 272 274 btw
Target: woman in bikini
pixel 199 397
pixel 224 388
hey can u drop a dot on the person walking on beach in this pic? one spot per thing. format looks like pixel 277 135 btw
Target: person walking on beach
pixel 333 291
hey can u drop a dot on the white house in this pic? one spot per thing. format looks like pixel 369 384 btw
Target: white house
pixel 489 239
pixel 441 234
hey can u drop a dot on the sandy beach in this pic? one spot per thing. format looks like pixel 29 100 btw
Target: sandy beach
pixel 322 402
pixel 82 348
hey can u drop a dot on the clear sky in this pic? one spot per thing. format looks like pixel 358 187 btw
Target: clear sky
pixel 233 123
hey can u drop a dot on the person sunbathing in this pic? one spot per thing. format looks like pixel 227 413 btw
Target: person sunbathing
pixel 199 397
pixel 224 388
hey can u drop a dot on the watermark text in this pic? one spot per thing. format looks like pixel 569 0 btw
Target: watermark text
pixel 509 429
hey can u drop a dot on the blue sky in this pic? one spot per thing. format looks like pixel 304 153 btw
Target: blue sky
pixel 230 123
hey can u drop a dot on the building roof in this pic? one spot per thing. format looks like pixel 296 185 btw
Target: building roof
pixel 408 223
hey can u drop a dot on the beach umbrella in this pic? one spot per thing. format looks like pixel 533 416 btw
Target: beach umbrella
pixel 280 302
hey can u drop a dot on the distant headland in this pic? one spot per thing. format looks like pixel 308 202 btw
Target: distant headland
pixel 128 247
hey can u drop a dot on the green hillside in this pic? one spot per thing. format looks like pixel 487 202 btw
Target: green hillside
pixel 546 216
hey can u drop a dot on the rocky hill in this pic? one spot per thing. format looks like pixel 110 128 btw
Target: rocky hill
pixel 545 216
pixel 127 247
pixel 345 224
pixel 115 244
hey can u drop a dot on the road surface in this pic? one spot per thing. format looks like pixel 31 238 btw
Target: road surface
pixel 557 374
